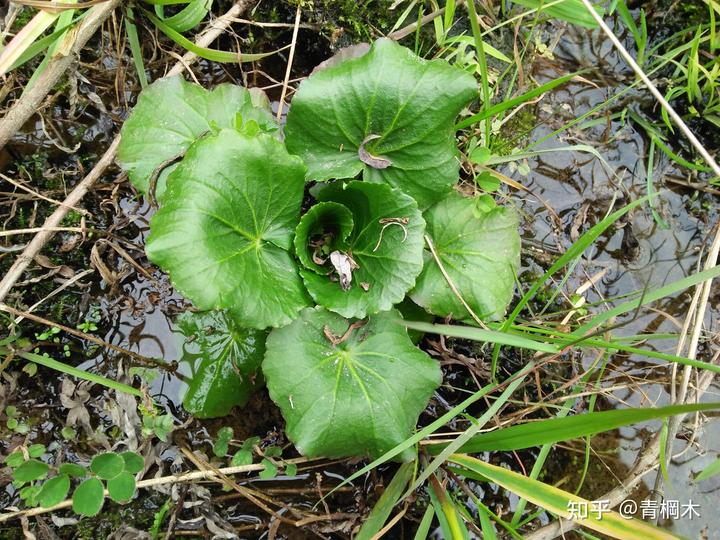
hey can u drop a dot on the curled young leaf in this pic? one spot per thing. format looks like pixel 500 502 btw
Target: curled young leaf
pixel 348 389
pixel 323 229
pixel 384 251
pixel 479 250
pixel 227 224
pixel 170 115
pixel 224 358
pixel 388 114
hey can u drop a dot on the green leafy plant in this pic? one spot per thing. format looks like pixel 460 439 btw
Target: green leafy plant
pixel 30 476
pixel 388 115
pixel 232 234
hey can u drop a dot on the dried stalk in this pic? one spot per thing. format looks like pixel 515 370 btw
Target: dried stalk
pixel 30 102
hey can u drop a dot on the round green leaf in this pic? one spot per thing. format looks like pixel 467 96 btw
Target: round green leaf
pixel 359 396
pixel 134 463
pixel 323 229
pixel 88 497
pixel 107 465
pixel 388 254
pixel 122 487
pixel 225 359
pixel 480 250
pixel 73 470
pixel 389 114
pixel 170 115
pixel 32 469
pixel 227 224
pixel 15 459
pixel 222 443
pixel 54 490
pixel 36 450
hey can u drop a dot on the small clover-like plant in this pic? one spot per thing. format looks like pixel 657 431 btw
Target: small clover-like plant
pixel 118 471
pixel 304 282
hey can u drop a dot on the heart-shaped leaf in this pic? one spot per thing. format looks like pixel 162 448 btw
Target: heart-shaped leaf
pixel 348 390
pixel 480 251
pixel 225 358
pixel 389 114
pixel 227 223
pixel 171 114
pixel 385 250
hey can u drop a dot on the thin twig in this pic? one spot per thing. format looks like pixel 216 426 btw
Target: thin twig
pixel 288 69
pixel 89 337
pixel 80 211
pixel 677 120
pixel 33 230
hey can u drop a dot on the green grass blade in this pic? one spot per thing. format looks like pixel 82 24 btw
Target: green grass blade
pixel 448 516
pixel 560 502
pixel 452 447
pixel 486 525
pixel 574 251
pixel 479 334
pixel 423 529
pixel 382 509
pixel 612 346
pixel 63 20
pixel 510 103
pixel 24 39
pixel 572 11
pixel 79 373
pixel 650 188
pixel 190 16
pixel 135 48
pixel 553 430
pixel 41 44
pixel 482 61
pixel 424 432
pixel 677 159
pixel 709 471
pixel 203 52
pixel 651 296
